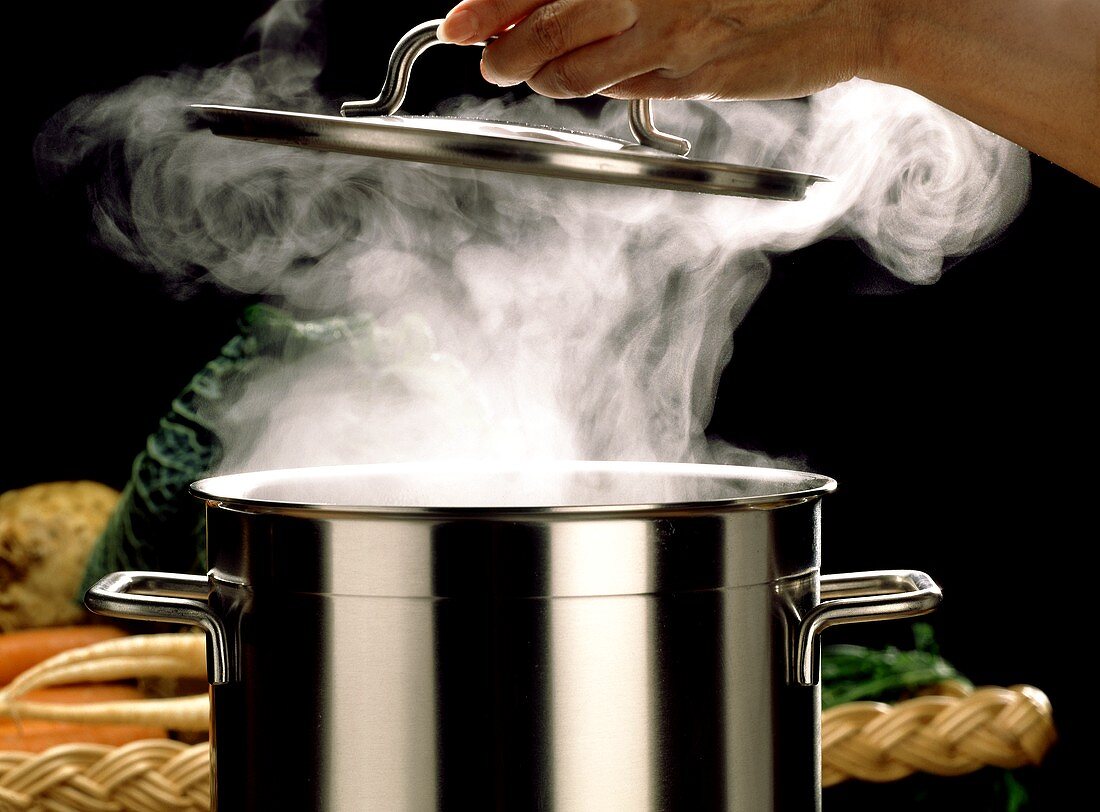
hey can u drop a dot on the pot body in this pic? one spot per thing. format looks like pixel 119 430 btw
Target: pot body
pixel 632 664
pixel 633 657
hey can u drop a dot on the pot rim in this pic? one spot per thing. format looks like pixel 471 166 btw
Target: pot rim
pixel 259 491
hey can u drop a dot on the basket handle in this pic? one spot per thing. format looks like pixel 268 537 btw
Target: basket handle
pixel 423 37
pixel 859 597
pixel 170 598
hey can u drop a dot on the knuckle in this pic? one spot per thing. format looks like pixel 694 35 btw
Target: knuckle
pixel 638 87
pixel 622 90
pixel 563 80
pixel 623 13
pixel 548 31
pixel 681 62
pixel 674 71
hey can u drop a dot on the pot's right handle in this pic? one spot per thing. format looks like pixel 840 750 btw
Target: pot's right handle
pixel 170 598
pixel 858 597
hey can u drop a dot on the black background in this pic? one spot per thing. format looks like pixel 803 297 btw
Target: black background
pixel 957 417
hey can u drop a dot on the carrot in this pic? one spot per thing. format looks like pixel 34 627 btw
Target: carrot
pixel 23 649
pixel 35 736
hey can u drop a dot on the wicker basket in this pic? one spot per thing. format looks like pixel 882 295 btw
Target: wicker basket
pixel 953 731
pixel 950 731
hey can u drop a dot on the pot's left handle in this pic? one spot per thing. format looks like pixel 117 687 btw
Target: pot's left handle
pixel 170 598
pixel 859 597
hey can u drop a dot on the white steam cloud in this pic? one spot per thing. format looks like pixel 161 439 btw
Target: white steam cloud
pixel 514 317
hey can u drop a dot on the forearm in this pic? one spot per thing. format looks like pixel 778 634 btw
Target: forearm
pixel 1026 69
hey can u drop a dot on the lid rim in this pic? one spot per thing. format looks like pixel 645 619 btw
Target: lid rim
pixel 377 137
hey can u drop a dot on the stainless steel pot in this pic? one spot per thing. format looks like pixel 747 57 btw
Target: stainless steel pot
pixel 635 637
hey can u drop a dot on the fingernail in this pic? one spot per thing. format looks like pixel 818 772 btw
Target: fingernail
pixel 459 28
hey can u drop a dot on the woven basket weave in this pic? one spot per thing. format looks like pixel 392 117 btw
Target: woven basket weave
pixel 154 775
pixel 954 732
pixel 957 730
pixel 950 730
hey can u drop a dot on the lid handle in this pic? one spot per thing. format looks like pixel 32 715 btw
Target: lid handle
pixel 647 134
pixel 423 37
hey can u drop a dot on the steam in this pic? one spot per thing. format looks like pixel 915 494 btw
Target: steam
pixel 512 318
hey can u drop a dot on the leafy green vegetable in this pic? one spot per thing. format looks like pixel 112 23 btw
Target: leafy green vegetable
pixel 1016 796
pixel 156 525
pixel 850 673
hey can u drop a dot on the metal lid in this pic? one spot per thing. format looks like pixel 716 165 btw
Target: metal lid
pixel 658 160
pixel 465 488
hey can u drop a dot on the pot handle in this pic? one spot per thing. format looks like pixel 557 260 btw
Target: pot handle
pixel 858 597
pixel 170 598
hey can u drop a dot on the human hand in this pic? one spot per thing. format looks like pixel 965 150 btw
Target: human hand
pixel 699 49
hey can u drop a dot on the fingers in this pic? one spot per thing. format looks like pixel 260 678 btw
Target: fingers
pixel 551 31
pixel 650 85
pixel 475 20
pixel 726 81
pixel 590 69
